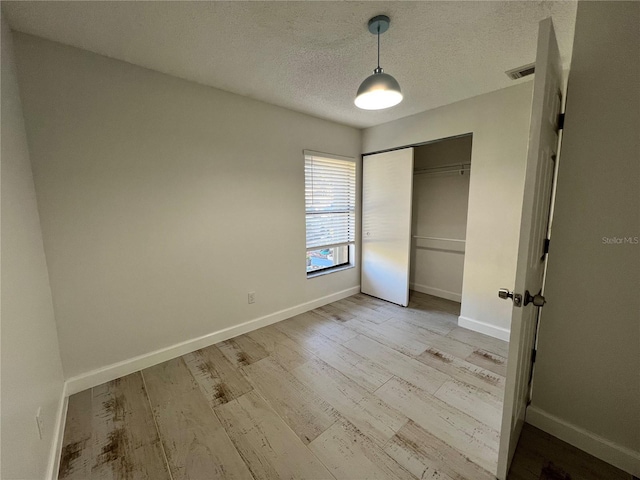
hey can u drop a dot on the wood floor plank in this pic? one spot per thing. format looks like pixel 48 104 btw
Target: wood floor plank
pixel 217 378
pixel 426 456
pixel 361 370
pixel 463 371
pixel 432 339
pixel 369 301
pixel 481 405
pixel 333 330
pixel 331 312
pixel 398 364
pixel 350 454
pixel 372 416
pixel 195 442
pixel 432 303
pixel 312 322
pixel 125 440
pixel 489 361
pixel 306 414
pixel 438 322
pixel 359 300
pixel 388 335
pixel 266 443
pixel 485 342
pixel 281 347
pixel 302 334
pixel 435 306
pixel 455 428
pixel 361 311
pixel 242 350
pixel 75 460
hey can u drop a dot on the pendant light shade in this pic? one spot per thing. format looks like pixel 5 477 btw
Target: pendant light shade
pixel 379 90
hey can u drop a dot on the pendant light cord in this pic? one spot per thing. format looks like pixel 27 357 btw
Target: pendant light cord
pixel 378 45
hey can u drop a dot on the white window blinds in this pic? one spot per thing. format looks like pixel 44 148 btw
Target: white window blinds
pixel 330 200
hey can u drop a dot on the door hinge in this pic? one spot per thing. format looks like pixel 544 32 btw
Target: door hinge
pixel 545 248
pixel 533 355
pixel 560 121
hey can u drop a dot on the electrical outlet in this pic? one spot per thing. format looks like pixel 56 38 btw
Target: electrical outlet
pixel 39 422
pixel 251 297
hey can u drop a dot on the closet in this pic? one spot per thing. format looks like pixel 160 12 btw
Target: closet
pixel 441 173
pixel 414 218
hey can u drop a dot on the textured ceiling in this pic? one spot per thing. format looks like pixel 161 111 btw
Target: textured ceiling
pixel 311 56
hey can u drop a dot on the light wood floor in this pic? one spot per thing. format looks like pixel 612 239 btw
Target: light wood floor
pixel 358 389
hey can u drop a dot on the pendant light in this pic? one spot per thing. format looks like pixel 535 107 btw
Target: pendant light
pixel 379 90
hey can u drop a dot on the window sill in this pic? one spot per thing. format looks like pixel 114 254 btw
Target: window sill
pixel 330 270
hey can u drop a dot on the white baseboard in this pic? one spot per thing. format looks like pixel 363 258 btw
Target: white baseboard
pixel 436 292
pixel 111 372
pixel 606 450
pixel 486 328
pixel 58 435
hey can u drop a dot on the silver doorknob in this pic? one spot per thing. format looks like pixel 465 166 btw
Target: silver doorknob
pixel 538 300
pixel 505 293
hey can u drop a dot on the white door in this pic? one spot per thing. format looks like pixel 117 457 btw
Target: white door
pixel 543 145
pixel 387 183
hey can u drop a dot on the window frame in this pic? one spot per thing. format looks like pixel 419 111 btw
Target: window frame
pixel 351 245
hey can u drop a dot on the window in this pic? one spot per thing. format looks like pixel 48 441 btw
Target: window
pixel 330 204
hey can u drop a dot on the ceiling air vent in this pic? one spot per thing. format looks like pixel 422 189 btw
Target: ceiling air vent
pixel 520 72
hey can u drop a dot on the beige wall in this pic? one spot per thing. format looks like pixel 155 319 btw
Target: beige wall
pixel 440 205
pixel 587 374
pixel 31 369
pixel 164 203
pixel 499 122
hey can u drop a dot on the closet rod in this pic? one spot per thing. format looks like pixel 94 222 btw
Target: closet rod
pixel 451 165
pixel 460 167
pixel 439 238
pixel 459 171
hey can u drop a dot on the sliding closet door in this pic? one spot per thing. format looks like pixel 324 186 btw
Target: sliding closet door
pixel 387 182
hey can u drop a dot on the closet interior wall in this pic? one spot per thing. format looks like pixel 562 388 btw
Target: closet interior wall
pixel 440 204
